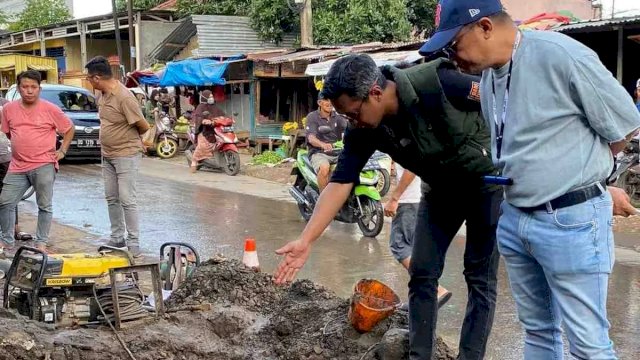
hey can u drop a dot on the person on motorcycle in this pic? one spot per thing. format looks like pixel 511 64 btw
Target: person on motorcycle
pixel 203 116
pixel 151 114
pixel 428 119
pixel 320 143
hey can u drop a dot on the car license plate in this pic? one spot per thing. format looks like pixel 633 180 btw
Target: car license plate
pixel 227 129
pixel 84 143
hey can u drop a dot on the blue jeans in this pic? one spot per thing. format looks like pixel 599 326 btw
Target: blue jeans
pixel 559 262
pixel 15 185
pixel 120 177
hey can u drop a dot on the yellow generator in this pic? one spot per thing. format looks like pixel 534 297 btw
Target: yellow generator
pixel 62 288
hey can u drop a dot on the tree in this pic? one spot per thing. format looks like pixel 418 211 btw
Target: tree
pixel 41 13
pixel 422 15
pixel 213 7
pixel 334 21
pixel 360 21
pixel 142 5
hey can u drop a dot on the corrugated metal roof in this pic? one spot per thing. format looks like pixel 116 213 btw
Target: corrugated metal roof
pixel 598 24
pixel 381 59
pixel 218 36
pixel 305 55
pixel 231 35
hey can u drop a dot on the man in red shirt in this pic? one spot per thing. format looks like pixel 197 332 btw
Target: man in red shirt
pixel 31 124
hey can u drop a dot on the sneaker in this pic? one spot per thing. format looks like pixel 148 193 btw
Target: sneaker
pixel 116 244
pixel 135 251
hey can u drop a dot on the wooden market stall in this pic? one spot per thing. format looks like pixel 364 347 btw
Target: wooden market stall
pixel 13 64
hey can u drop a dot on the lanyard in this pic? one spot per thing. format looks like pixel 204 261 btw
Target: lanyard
pixel 499 126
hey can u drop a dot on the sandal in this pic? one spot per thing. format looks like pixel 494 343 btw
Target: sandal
pixel 23 236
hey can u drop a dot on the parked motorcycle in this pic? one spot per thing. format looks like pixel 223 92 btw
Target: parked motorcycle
pixel 381 163
pixel 363 207
pixel 225 149
pixel 166 140
pixel 627 173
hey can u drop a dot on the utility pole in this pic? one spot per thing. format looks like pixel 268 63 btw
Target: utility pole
pixel 116 24
pixel 132 36
pixel 306 23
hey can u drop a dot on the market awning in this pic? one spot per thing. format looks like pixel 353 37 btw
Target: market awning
pixel 8 68
pixel 39 67
pixel 381 59
pixel 195 72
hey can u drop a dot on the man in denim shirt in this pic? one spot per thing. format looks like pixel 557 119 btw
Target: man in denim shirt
pixel 556 116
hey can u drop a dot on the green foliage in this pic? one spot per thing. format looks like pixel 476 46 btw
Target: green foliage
pixel 422 14
pixel 40 13
pixel 334 21
pixel 271 19
pixel 121 5
pixel 267 157
pixel 360 21
pixel 213 7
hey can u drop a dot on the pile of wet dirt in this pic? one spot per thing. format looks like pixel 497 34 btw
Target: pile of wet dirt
pixel 251 318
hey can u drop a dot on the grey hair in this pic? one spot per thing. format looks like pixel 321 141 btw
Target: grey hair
pixel 352 75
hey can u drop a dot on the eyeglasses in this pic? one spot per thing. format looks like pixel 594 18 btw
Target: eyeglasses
pixel 352 118
pixel 451 49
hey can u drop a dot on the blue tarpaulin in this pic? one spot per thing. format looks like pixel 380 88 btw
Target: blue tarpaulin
pixel 195 72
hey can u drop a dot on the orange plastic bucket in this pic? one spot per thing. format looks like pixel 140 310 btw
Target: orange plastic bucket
pixel 372 302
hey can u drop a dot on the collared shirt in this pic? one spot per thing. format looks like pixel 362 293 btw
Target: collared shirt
pixel 119 112
pixel 336 122
pixel 33 133
pixel 564 109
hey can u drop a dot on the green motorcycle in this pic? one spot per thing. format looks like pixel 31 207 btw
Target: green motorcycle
pixel 363 207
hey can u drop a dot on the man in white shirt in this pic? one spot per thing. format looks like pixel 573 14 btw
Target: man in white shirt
pixel 403 208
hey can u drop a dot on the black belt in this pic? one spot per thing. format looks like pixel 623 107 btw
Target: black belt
pixel 569 199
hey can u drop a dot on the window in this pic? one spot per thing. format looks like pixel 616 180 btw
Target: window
pixel 71 100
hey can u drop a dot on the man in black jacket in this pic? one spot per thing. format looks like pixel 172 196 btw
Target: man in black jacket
pixel 427 118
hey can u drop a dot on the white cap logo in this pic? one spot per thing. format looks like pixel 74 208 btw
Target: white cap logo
pixel 474 12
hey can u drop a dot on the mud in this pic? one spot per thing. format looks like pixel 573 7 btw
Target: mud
pixel 250 319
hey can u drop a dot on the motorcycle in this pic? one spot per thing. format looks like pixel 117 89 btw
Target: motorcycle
pixel 166 140
pixel 225 149
pixel 627 173
pixel 381 163
pixel 363 207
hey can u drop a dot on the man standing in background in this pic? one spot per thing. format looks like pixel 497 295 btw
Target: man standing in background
pixel 121 126
pixel 31 124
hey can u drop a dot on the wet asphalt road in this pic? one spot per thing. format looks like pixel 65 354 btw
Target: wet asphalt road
pixel 218 222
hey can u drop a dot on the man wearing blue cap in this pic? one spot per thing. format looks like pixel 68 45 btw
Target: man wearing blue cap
pixel 556 115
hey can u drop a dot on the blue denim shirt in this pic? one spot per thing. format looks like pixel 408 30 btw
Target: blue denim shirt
pixel 564 110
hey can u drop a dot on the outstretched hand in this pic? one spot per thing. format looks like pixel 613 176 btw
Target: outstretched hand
pixel 295 255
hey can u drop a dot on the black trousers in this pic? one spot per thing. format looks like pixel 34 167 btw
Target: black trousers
pixel 4 168
pixel 440 216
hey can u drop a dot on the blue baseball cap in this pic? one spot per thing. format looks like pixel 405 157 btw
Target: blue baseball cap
pixel 452 16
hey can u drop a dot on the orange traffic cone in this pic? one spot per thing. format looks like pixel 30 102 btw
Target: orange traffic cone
pixel 250 257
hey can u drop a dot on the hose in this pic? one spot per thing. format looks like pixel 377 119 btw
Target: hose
pixel 130 300
pixel 124 345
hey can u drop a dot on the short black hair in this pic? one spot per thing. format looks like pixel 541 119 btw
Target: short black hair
pixel 99 65
pixel 30 74
pixel 164 90
pixel 501 16
pixel 352 75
